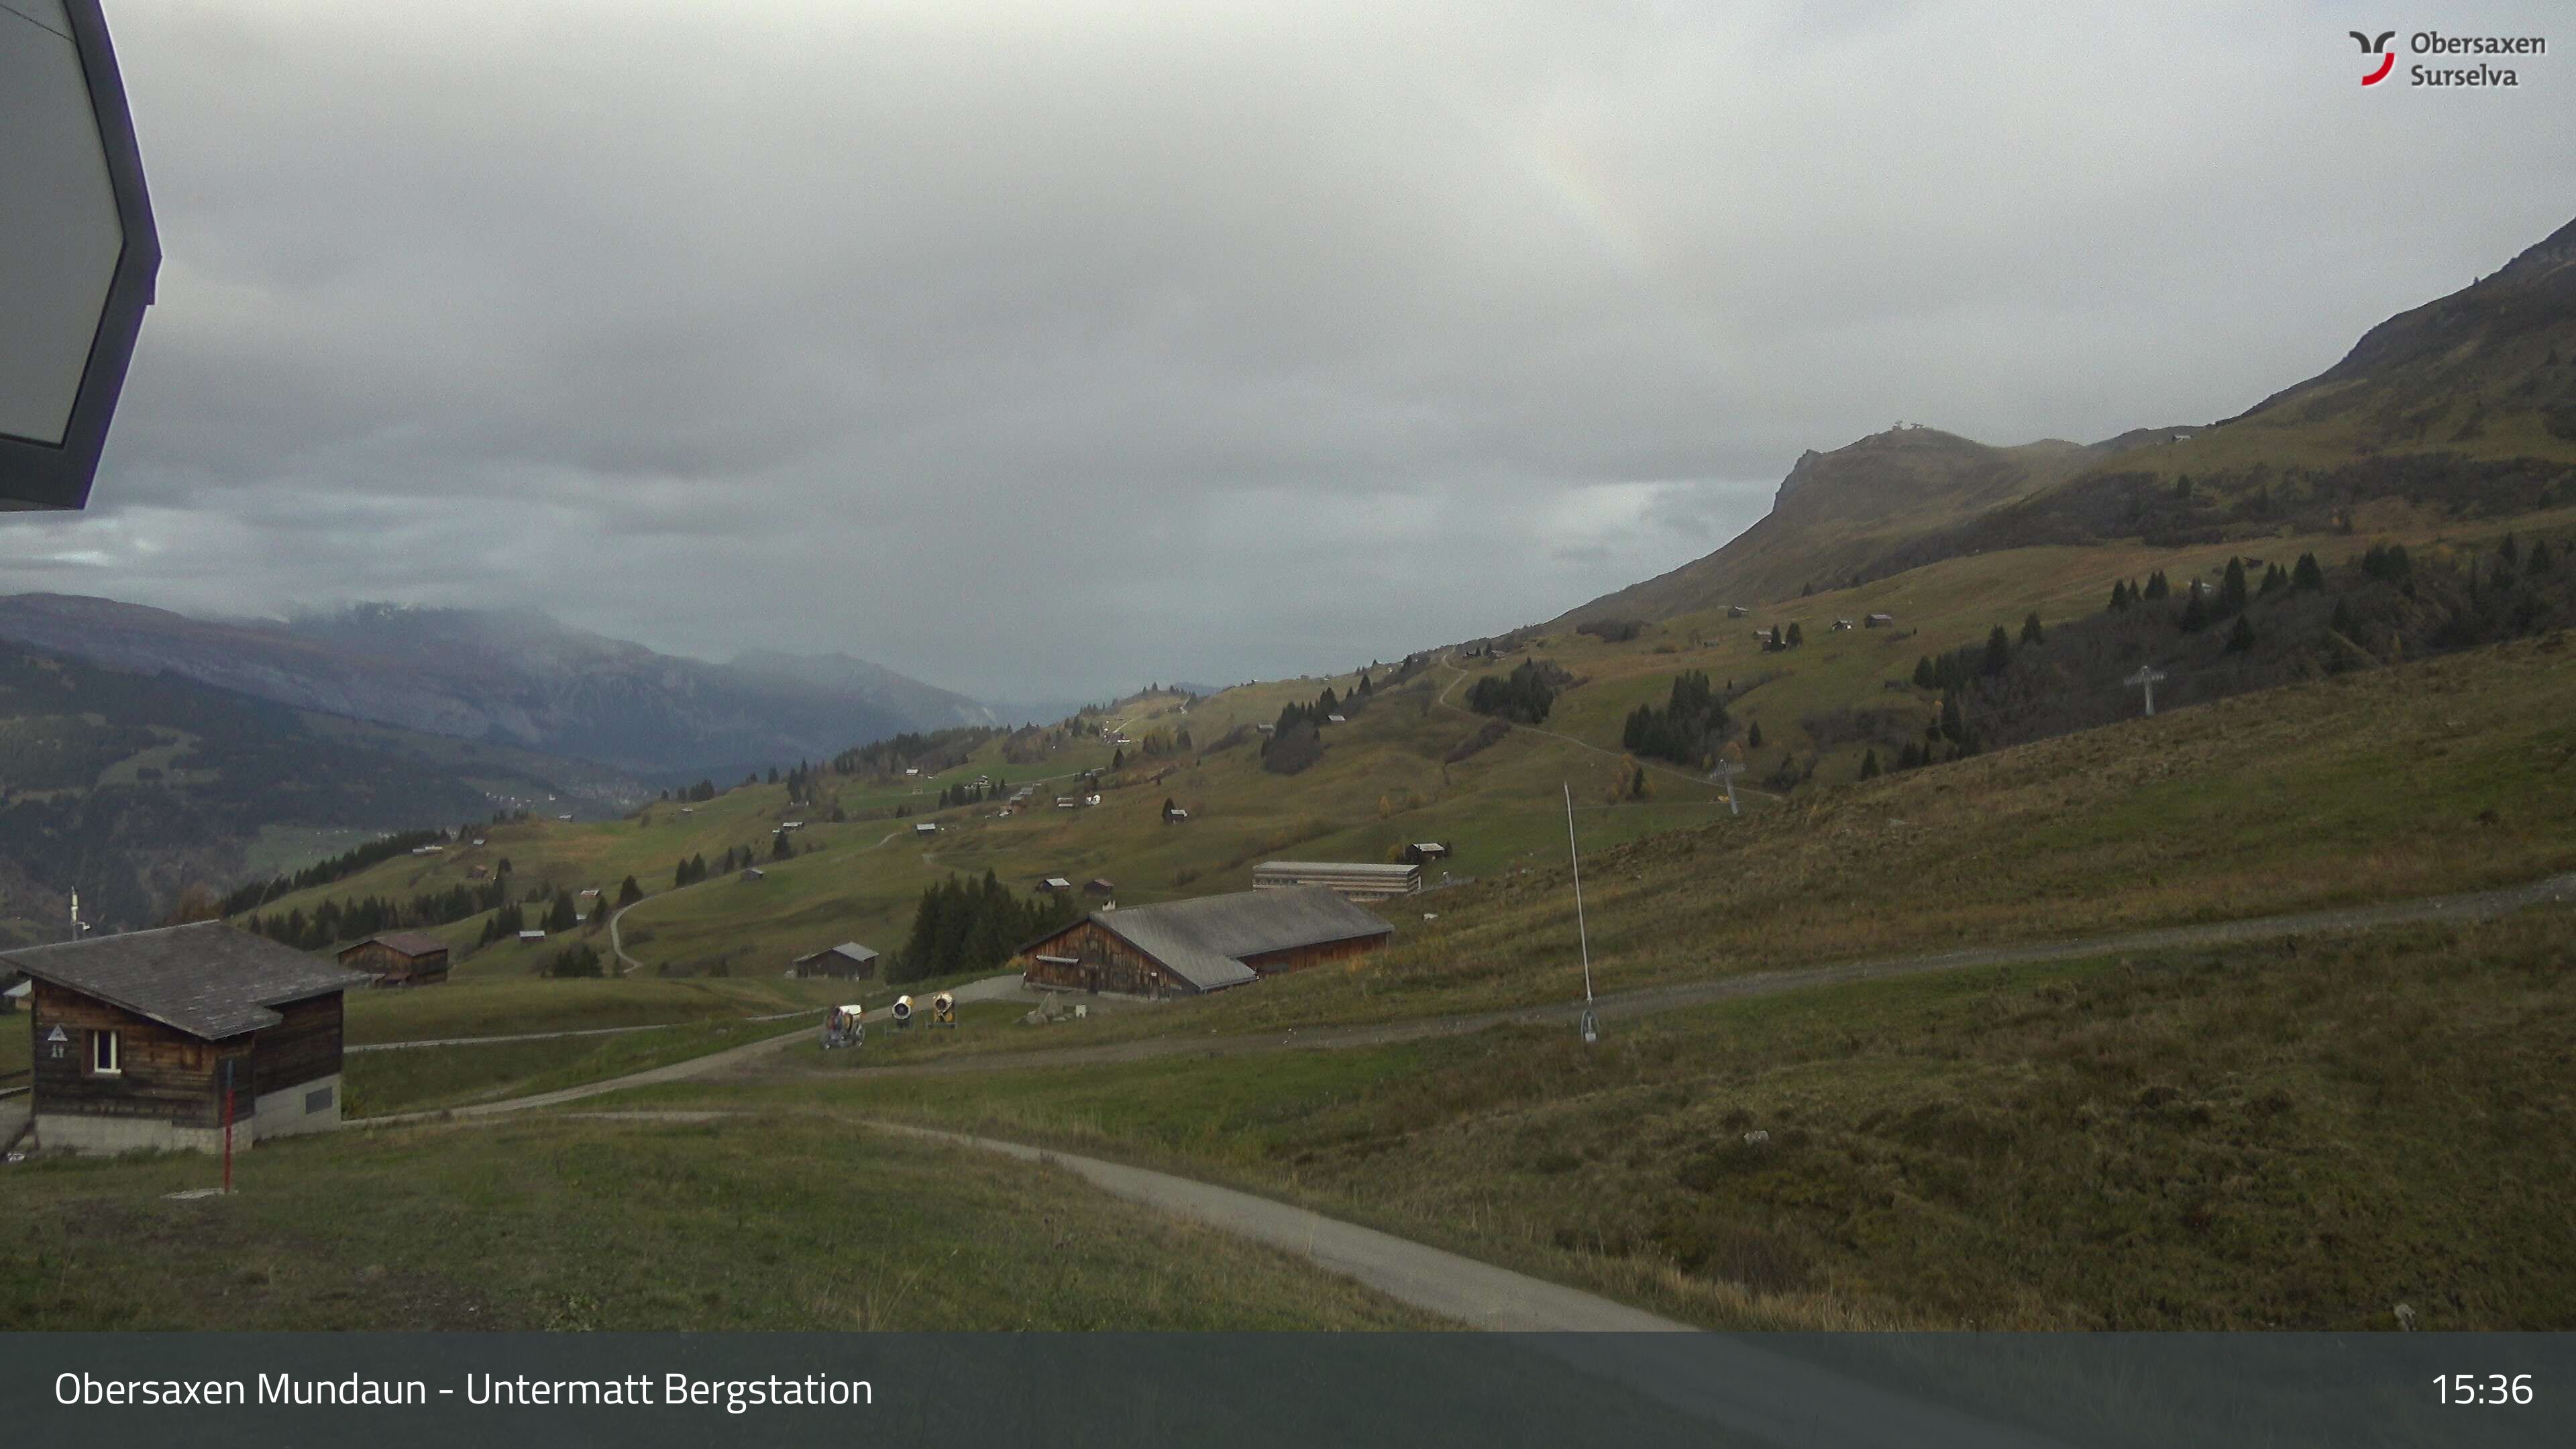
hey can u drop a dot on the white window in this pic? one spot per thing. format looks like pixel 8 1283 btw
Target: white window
pixel 102 1053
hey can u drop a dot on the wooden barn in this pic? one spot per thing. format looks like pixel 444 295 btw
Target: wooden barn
pixel 846 960
pixel 400 958
pixel 1187 947
pixel 135 1036
pixel 1361 881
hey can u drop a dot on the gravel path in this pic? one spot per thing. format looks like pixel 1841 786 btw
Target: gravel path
pixel 1722 1380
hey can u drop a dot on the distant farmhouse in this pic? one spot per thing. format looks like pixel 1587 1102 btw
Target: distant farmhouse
pixel 399 958
pixel 1423 852
pixel 1185 948
pixel 847 960
pixel 1880 621
pixel 136 1034
pixel 1357 880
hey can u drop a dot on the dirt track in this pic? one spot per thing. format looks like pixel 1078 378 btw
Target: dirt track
pixel 2474 906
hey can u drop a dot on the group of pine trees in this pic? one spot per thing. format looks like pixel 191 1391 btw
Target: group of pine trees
pixel 562 913
pixel 1524 696
pixel 969 792
pixel 1297 739
pixel 333 921
pixel 929 753
pixel 338 867
pixel 962 925
pixel 1686 730
pixel 694 869
pixel 1784 637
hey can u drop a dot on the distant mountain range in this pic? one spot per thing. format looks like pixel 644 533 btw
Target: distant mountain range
pixel 2466 404
pixel 515 678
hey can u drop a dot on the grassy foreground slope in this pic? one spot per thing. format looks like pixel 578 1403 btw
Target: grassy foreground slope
pixel 789 1223
pixel 2298 1135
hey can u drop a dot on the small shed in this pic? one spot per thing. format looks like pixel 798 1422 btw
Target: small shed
pixel 1880 621
pixel 399 958
pixel 1049 885
pixel 532 935
pixel 1098 887
pixel 1422 852
pixel 752 873
pixel 925 828
pixel 846 960
pixel 137 1036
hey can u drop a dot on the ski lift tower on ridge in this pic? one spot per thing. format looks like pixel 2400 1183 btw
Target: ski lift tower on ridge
pixel 78 253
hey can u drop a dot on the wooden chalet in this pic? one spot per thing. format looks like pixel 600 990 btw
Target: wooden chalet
pixel 1099 887
pixel 1184 948
pixel 136 1035
pixel 399 958
pixel 848 960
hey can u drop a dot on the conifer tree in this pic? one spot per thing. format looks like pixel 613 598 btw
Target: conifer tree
pixel 1869 765
pixel 2309 574
pixel 2031 632
pixel 2241 638
pixel 1998 652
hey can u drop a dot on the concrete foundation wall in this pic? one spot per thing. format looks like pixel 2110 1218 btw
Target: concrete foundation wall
pixel 77 1132
pixel 289 1111
pixel 279 1114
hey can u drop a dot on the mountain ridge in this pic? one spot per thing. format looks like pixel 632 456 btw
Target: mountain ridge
pixel 517 677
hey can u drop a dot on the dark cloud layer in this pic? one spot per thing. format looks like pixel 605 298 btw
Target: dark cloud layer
pixel 1036 350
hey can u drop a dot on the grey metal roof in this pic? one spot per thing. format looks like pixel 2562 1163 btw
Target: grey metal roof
pixel 206 979
pixel 851 949
pixel 1203 940
pixel 1357 868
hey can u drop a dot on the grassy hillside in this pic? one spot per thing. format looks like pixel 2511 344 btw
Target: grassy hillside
pixel 1386 778
pixel 2246 1138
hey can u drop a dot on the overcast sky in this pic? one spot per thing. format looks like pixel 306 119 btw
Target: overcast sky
pixel 1040 350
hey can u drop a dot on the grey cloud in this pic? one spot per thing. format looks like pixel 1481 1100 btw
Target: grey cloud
pixel 1040 351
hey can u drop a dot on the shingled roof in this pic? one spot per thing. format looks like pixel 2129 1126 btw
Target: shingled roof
pixel 1203 941
pixel 206 979
pixel 409 943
